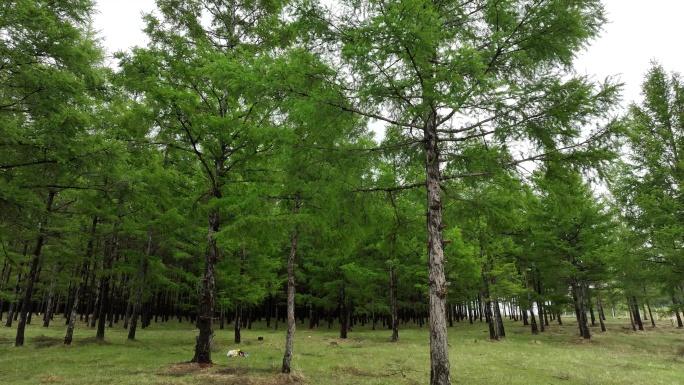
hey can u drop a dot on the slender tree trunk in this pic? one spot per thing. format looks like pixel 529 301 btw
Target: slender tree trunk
pixel 141 289
pixel 68 338
pixel 599 307
pixel 33 273
pixel 679 318
pixel 533 319
pixel 291 288
pixel 111 250
pixel 50 305
pixel 648 306
pixel 344 313
pixel 15 296
pixel 393 304
pixel 238 324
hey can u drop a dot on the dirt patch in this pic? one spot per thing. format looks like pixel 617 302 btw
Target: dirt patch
pixel 184 369
pixel 357 372
pixel 51 380
pixel 680 351
pixel 93 341
pixel 46 342
pixel 582 341
pixel 241 379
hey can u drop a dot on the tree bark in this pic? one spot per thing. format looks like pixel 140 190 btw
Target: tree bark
pixel 439 350
pixel 291 288
pixel 207 300
pixel 33 273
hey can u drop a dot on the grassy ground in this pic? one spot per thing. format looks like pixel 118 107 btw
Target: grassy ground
pixel 619 356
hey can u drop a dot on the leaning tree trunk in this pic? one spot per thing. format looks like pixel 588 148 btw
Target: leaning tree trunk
pixel 33 273
pixel 601 316
pixel 637 316
pixel 291 322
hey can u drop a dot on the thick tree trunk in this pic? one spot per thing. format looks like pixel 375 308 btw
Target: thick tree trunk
pixel 33 273
pixel 439 351
pixel 207 300
pixel 580 308
pixel 637 316
pixel 291 288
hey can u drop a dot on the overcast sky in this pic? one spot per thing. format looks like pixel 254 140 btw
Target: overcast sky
pixel 639 31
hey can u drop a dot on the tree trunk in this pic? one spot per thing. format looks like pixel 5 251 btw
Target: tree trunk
pixel 344 313
pixel 49 307
pixel 141 289
pixel 238 325
pixel 15 296
pixel 533 319
pixel 601 317
pixel 33 273
pixel 393 304
pixel 439 350
pixel 637 316
pixel 111 250
pixel 676 312
pixel 206 305
pixel 580 308
pixel 68 338
pixel 291 288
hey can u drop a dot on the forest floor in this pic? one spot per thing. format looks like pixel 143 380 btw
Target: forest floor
pixel 159 356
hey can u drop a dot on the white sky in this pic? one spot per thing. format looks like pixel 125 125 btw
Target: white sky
pixel 639 31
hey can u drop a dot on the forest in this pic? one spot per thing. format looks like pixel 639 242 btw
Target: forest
pixel 334 164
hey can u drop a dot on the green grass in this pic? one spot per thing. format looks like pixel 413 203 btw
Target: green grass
pixel 619 356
